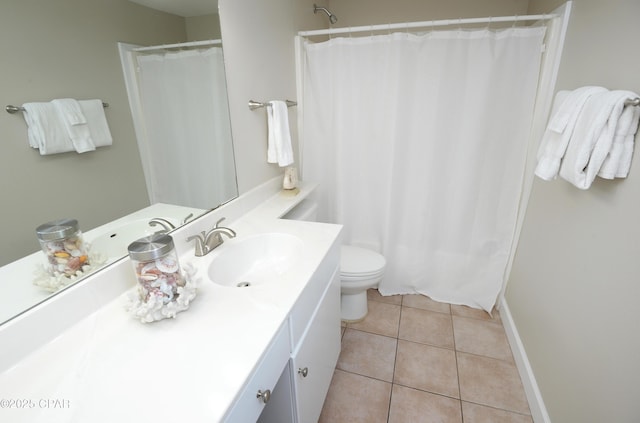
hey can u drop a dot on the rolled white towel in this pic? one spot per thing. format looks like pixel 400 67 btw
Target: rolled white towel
pixel 567 106
pixel 592 137
pixel 618 161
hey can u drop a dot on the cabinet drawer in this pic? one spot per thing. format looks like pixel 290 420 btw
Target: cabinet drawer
pixel 249 405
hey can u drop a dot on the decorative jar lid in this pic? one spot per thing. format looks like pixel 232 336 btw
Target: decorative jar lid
pixel 57 229
pixel 151 247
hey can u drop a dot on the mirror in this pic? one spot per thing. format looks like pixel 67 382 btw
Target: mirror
pixel 69 49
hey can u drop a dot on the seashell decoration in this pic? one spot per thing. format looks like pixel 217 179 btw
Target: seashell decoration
pixel 162 290
pixel 61 242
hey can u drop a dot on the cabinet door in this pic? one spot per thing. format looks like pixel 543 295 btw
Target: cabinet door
pixel 315 357
pixel 258 390
pixel 280 406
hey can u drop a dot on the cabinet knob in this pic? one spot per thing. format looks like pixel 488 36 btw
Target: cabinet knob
pixel 264 396
pixel 304 372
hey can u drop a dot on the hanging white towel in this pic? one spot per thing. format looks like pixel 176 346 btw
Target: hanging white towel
pixel 75 122
pixel 279 148
pixel 97 121
pixel 566 109
pixel 618 161
pixel 592 137
pixel 45 130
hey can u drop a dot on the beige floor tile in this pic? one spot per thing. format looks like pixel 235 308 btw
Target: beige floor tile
pixel 425 303
pixel 426 327
pixel 491 382
pixel 382 319
pixel 356 399
pixel 474 313
pixel 474 413
pixel 368 354
pixel 480 337
pixel 426 368
pixel 411 405
pixel 374 295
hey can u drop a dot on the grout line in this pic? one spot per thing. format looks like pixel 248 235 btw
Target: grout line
pixel 395 360
pixel 455 353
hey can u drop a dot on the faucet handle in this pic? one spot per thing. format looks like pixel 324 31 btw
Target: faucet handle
pixel 201 248
pixel 186 219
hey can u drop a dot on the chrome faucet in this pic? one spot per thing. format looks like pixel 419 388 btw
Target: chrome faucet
pixel 166 225
pixel 209 241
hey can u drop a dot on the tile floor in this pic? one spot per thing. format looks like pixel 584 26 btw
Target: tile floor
pixel 416 360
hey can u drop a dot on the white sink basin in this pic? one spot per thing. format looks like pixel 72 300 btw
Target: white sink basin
pixel 255 259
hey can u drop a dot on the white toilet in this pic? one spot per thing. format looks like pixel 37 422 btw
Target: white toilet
pixel 360 269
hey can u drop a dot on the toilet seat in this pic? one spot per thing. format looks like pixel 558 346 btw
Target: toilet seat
pixel 359 263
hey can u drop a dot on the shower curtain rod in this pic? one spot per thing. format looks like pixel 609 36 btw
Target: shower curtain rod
pixel 425 24
pixel 180 45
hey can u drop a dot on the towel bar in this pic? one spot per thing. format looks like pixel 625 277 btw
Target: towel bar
pixel 256 104
pixel 15 109
pixel 632 102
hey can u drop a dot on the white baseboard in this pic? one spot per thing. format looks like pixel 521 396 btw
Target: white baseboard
pixel 536 404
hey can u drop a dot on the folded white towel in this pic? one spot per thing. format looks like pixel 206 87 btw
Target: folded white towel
pixel 279 148
pixel 564 115
pixel 75 122
pixel 618 161
pixel 592 137
pixel 45 130
pixel 97 121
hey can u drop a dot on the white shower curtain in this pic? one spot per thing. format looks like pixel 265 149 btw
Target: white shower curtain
pixel 419 144
pixel 184 102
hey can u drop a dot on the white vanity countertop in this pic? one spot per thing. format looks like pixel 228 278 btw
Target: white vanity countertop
pixel 109 367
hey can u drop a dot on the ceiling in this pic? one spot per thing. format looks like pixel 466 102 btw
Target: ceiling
pixel 185 8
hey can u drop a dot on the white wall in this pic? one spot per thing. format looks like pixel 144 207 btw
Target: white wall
pixel 575 283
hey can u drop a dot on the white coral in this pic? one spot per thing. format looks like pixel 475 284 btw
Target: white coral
pixel 154 309
pixel 52 283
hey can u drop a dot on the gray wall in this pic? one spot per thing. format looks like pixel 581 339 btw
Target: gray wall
pixel 67 48
pixel 574 287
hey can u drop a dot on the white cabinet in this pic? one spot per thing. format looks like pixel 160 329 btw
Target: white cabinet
pixel 315 357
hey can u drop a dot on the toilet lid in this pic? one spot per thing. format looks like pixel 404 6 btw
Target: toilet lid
pixel 356 261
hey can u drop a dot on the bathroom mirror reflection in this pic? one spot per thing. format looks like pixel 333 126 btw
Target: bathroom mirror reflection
pixel 69 49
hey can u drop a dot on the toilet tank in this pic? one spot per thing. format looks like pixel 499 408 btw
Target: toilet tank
pixel 307 210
